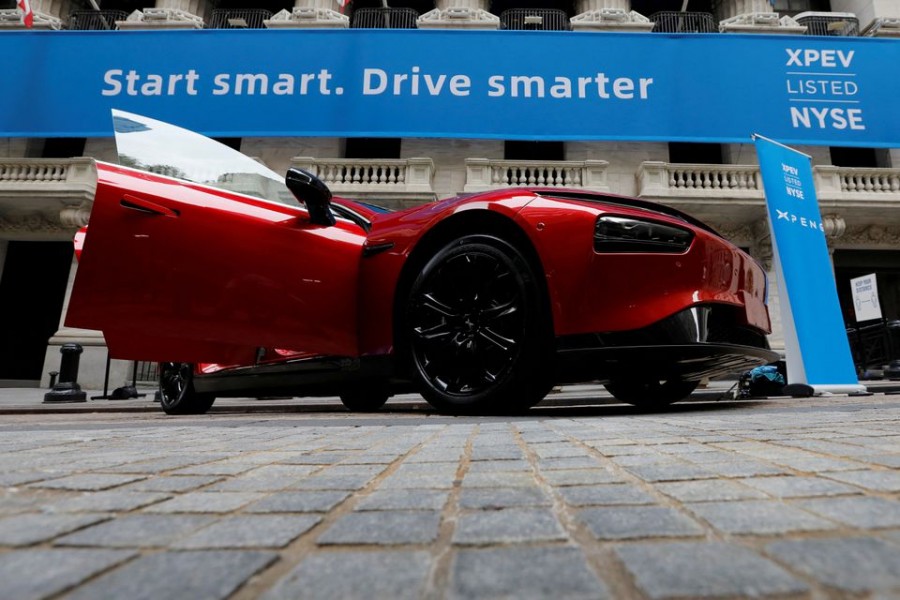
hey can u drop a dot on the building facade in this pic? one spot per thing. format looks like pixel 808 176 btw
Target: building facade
pixel 46 183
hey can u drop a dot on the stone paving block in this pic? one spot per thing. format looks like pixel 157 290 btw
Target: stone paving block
pixel 708 490
pixel 12 479
pixel 355 575
pixel 208 574
pixel 851 564
pixel 383 528
pixel 758 517
pixel 817 464
pixel 566 450
pixel 412 499
pixel 743 468
pixel 251 531
pixel 175 483
pixel 41 573
pixel 549 573
pixel 108 501
pixel 607 494
pixel 671 472
pixel 448 470
pixel 338 482
pixel 494 498
pixel 635 522
pixel 580 477
pixel 217 468
pixel 885 460
pixel 499 466
pixel 790 486
pixel 205 502
pixel 511 525
pixel 498 479
pixel 568 462
pixel 407 482
pixel 31 528
pixel 858 511
pixel 137 531
pixel 305 501
pixel 705 570
pixel 880 481
pixel 87 482
pixel 497 453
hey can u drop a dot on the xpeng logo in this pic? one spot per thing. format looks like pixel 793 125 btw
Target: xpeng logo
pixel 784 215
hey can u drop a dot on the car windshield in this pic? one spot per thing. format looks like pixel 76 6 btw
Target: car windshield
pixel 165 149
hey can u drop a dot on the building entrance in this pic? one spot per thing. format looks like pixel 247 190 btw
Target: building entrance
pixel 32 290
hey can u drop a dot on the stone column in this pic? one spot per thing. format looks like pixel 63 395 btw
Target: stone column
pixel 168 14
pixel 92 367
pixel 460 14
pixel 47 15
pixel 754 16
pixel 608 15
pixel 310 13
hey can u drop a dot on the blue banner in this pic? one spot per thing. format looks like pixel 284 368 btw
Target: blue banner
pixel 816 348
pixel 467 84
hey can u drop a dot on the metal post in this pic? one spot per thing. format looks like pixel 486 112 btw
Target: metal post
pixel 67 389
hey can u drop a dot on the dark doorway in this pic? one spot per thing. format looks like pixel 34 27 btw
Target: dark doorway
pixel 849 264
pixel 63 147
pixel 524 150
pixel 695 153
pixel 842 156
pixel 32 289
pixel 372 148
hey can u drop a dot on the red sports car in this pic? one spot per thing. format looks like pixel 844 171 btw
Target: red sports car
pixel 244 284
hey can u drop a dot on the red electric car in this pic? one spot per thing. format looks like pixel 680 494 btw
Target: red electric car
pixel 242 283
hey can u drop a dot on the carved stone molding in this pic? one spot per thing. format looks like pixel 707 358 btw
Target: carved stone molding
pixel 611 19
pixel 458 17
pixel 308 16
pixel 871 236
pixel 34 223
pixel 12 19
pixel 834 225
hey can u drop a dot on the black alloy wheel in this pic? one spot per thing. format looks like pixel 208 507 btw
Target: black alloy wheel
pixel 477 335
pixel 652 394
pixel 177 393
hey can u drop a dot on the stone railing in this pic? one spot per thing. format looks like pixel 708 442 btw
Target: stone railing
pixel 843 183
pixel 46 193
pixel 400 178
pixel 486 174
pixel 659 179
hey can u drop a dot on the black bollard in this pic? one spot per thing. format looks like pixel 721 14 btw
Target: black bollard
pixel 67 389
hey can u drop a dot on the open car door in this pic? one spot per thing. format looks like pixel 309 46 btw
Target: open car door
pixel 197 253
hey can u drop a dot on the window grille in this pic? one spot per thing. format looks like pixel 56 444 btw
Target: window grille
pixel 384 18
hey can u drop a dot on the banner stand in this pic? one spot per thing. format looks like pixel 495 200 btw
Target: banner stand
pixel 817 351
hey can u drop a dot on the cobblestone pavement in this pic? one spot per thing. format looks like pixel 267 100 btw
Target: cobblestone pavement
pixel 781 498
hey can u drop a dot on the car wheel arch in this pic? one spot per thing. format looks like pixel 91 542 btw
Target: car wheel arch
pixel 471 222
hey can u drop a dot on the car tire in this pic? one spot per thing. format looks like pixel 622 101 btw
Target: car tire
pixel 476 331
pixel 652 393
pixel 367 396
pixel 177 393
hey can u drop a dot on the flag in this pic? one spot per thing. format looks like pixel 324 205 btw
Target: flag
pixel 27 13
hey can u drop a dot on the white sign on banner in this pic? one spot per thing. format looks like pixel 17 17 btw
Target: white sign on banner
pixel 865 298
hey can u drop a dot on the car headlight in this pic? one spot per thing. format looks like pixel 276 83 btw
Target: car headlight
pixel 628 234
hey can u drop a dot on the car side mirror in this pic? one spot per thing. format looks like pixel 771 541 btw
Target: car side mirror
pixel 312 191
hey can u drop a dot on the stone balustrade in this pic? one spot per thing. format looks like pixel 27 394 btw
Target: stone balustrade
pixel 659 179
pixel 45 195
pixel 486 174
pixel 834 183
pixel 394 182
